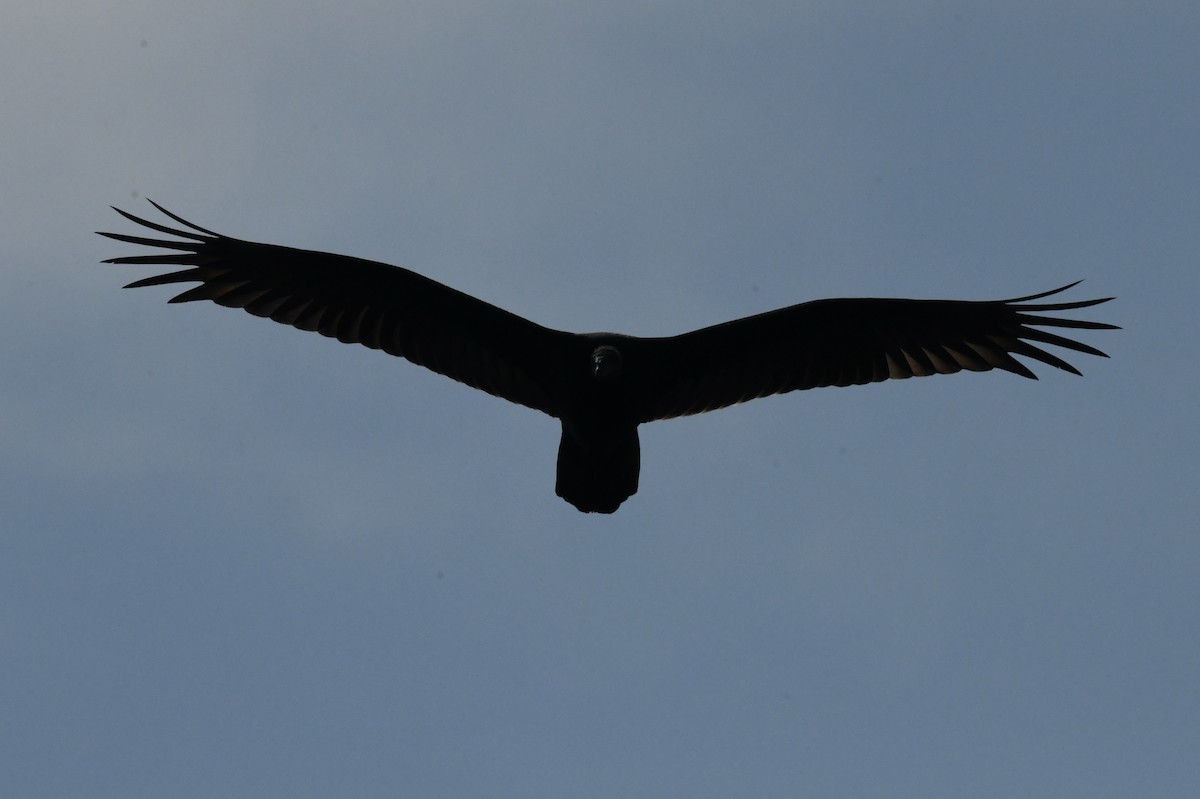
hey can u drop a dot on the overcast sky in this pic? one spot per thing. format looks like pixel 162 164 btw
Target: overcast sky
pixel 237 560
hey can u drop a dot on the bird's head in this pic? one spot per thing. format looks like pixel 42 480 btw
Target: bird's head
pixel 606 363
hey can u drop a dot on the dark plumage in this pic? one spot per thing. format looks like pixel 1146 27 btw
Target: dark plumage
pixel 601 386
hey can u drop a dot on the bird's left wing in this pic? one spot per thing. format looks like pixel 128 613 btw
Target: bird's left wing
pixel 843 342
pixel 356 301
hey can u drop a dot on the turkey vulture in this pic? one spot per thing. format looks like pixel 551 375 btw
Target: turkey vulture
pixel 601 386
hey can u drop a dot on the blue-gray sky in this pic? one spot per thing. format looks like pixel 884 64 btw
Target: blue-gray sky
pixel 241 561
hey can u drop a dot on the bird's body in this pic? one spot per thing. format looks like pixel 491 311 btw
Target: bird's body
pixel 601 386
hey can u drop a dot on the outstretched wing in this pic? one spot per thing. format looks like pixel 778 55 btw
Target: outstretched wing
pixel 363 302
pixel 844 342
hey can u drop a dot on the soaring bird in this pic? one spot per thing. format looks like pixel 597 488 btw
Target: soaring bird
pixel 601 386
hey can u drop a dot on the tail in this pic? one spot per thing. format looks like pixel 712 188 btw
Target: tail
pixel 597 475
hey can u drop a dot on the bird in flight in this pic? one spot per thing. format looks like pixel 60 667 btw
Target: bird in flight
pixel 601 386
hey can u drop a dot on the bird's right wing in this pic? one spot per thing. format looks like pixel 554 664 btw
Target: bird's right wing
pixel 356 301
pixel 843 342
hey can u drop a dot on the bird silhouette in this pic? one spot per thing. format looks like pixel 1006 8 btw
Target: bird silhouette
pixel 601 386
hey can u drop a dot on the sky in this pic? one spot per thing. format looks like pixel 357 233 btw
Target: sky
pixel 237 560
